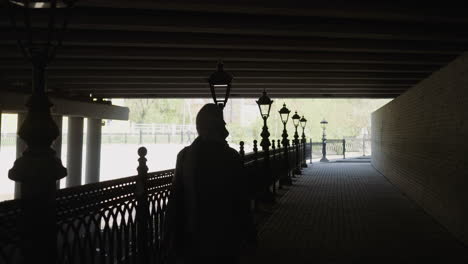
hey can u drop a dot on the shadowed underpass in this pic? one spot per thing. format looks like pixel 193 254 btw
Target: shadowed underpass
pixel 347 212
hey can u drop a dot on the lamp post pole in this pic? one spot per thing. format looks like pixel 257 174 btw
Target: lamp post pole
pixel 264 105
pixel 324 124
pixel 284 114
pixel 304 142
pixel 296 120
pixel 38 169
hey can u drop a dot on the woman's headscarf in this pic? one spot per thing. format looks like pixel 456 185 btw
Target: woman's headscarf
pixel 210 123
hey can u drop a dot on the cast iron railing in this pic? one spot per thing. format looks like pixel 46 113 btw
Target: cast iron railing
pixel 340 147
pixel 122 220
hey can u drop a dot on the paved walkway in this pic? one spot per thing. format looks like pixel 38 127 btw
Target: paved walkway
pixel 349 213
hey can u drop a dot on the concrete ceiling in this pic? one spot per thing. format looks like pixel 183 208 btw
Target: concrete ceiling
pixel 335 49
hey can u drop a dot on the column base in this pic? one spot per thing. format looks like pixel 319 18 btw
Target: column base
pixel 304 165
pixel 324 160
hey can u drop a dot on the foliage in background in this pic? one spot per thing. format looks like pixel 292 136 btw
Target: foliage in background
pixel 346 117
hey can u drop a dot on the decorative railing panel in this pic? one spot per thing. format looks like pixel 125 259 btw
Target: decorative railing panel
pixel 96 222
pixel 158 196
pixel 9 233
pixel 100 222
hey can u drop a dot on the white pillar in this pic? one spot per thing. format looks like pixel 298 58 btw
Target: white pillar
pixel 0 129
pixel 74 151
pixel 57 144
pixel 93 150
pixel 20 147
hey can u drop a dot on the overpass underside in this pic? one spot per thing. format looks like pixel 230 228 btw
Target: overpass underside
pixel 147 49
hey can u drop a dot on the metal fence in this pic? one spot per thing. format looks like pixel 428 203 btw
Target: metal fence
pixel 122 220
pixel 342 147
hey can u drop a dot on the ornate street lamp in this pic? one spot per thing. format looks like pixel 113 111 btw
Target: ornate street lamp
pixel 304 141
pixel 324 124
pixel 296 120
pixel 284 114
pixel 220 85
pixel 38 169
pixel 264 105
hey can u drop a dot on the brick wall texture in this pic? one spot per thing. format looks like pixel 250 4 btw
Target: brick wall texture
pixel 420 145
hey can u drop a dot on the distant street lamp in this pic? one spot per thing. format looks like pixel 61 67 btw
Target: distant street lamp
pixel 220 85
pixel 296 120
pixel 304 141
pixel 284 114
pixel 324 124
pixel 264 105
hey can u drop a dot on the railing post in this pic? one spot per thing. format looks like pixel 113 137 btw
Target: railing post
pixel 140 141
pixel 273 172
pixel 292 158
pixel 344 148
pixel 286 179
pixel 242 152
pixel 324 150
pixel 304 153
pixel 311 150
pixel 255 158
pixel 142 208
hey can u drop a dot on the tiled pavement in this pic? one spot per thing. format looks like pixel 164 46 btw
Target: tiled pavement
pixel 349 213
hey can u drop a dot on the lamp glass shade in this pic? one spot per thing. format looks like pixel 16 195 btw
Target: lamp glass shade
pixel 265 110
pixel 264 104
pixel 296 119
pixel 303 122
pixel 220 85
pixel 284 114
pixel 324 124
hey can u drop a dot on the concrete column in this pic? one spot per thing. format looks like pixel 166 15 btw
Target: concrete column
pixel 74 151
pixel 93 150
pixel 57 144
pixel 0 129
pixel 20 147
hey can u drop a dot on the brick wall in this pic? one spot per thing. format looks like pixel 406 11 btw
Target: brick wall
pixel 420 144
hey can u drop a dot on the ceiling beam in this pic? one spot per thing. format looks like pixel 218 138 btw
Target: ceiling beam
pixel 261 25
pixel 90 64
pixel 201 82
pixel 205 87
pixel 203 75
pixel 327 95
pixel 131 39
pixel 365 10
pixel 213 55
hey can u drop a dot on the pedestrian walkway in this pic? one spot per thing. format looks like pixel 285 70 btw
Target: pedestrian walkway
pixel 349 213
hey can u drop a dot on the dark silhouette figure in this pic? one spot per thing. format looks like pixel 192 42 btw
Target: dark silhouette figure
pixel 209 213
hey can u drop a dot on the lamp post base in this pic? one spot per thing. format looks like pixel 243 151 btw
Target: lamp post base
pixel 286 181
pixel 324 160
pixel 304 165
pixel 297 172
